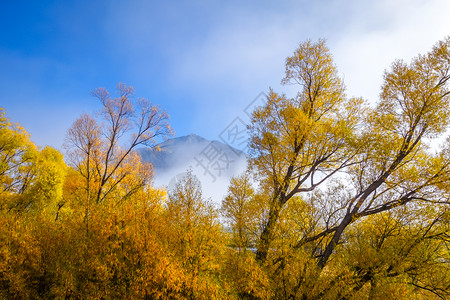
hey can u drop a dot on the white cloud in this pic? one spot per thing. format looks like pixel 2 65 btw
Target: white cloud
pixel 247 52
pixel 218 56
pixel 407 29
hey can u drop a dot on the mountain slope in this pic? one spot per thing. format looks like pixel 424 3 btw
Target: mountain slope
pixel 213 162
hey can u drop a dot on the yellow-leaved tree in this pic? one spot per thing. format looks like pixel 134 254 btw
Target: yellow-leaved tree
pixel 110 167
pixel 195 240
pixel 297 144
pixel 345 161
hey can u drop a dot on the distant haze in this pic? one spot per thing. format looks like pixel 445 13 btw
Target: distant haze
pixel 213 162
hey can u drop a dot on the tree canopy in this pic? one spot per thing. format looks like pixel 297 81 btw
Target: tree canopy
pixel 342 198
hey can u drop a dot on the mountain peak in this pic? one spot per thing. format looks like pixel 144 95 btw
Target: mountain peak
pixel 213 162
pixel 191 138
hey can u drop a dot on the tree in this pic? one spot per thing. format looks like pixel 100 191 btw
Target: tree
pixel 30 179
pixel 242 211
pixel 17 153
pixel 195 239
pixel 379 159
pixel 395 167
pixel 31 183
pixel 392 253
pixel 96 150
pixel 297 144
pixel 45 188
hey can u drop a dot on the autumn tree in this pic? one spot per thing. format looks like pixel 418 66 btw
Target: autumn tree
pixel 195 239
pixel 242 211
pixel 297 144
pixel 17 153
pixel 98 152
pixel 31 183
pixel 345 160
pixel 402 252
pixel 396 166
pixel 30 178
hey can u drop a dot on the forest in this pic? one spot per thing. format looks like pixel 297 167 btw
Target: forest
pixel 342 198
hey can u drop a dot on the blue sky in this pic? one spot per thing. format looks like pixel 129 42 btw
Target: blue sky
pixel 202 61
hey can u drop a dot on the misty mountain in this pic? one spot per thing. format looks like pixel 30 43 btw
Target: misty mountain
pixel 213 162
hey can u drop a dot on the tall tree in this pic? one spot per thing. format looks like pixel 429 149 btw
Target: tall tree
pixel 17 154
pixel 396 167
pixel 242 211
pixel 382 154
pixel 195 239
pixel 97 151
pixel 298 143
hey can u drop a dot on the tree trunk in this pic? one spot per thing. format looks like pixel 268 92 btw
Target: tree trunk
pixel 332 244
pixel 267 234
